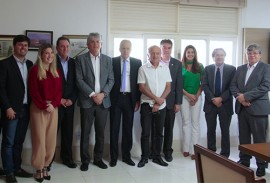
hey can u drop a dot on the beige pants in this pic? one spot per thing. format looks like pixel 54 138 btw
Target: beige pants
pixel 43 135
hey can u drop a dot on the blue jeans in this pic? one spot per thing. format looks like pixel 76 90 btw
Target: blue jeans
pixel 14 132
pixel 8 135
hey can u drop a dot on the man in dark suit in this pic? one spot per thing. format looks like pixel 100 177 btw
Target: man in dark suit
pixel 94 74
pixel 66 65
pixel 174 99
pixel 218 100
pixel 125 98
pixel 14 107
pixel 250 87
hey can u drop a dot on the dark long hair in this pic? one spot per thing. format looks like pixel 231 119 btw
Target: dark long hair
pixel 196 66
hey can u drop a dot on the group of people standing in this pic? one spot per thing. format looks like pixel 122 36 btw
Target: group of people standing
pixel 119 86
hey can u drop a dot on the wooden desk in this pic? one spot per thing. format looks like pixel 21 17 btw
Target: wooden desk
pixel 260 150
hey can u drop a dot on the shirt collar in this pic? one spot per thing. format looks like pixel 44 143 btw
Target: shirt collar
pixel 149 64
pixel 61 59
pixel 18 60
pixel 122 59
pixel 220 67
pixel 254 65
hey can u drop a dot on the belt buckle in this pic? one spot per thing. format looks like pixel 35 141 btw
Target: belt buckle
pixel 124 93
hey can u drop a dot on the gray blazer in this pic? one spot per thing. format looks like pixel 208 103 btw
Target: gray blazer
pixel 256 89
pixel 86 79
pixel 209 88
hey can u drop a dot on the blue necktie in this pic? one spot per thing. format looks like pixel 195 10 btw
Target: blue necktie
pixel 123 85
pixel 218 83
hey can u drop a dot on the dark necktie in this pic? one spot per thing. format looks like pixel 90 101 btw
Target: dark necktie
pixel 218 83
pixel 123 85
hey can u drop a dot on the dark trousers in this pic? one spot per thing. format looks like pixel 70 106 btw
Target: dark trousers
pixel 224 122
pixel 156 122
pixel 13 136
pixel 168 131
pixel 65 123
pixel 255 126
pixel 122 108
pixel 98 115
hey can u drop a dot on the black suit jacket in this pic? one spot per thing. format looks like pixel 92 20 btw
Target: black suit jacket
pixel 70 90
pixel 135 64
pixel 255 90
pixel 209 88
pixel 12 88
pixel 176 94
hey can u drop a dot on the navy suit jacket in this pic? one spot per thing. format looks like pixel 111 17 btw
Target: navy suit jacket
pixel 12 88
pixel 70 90
pixel 176 94
pixel 86 79
pixel 255 90
pixel 208 86
pixel 135 64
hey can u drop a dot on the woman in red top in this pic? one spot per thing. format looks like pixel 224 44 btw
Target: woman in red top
pixel 45 85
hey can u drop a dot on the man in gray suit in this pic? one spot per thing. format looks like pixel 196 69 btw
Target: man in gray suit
pixel 250 87
pixel 94 74
pixel 218 100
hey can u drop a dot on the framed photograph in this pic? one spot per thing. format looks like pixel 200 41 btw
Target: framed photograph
pixel 6 45
pixel 77 44
pixel 39 37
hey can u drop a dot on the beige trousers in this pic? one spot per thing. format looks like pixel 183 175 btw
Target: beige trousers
pixel 43 135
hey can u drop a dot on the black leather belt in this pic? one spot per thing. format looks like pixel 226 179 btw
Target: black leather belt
pixel 125 93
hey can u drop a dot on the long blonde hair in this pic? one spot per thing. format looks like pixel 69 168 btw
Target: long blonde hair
pixel 41 69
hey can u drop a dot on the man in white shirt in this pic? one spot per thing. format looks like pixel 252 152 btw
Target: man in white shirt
pixel 154 81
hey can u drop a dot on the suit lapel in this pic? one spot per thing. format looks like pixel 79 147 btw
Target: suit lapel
pixel 60 67
pixel 16 68
pixel 90 65
pixel 254 72
pixel 212 77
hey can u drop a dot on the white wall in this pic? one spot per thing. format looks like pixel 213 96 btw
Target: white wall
pixel 84 16
pixel 256 14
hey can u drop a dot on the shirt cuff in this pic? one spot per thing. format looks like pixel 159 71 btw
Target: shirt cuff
pixel 91 94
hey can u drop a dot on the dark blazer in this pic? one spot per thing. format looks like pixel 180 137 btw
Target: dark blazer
pixel 85 77
pixel 256 89
pixel 209 88
pixel 135 64
pixel 70 90
pixel 12 88
pixel 176 94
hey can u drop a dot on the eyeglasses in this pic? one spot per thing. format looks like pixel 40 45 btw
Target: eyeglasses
pixel 253 53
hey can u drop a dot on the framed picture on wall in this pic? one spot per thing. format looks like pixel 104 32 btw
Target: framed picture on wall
pixel 38 37
pixel 6 45
pixel 77 44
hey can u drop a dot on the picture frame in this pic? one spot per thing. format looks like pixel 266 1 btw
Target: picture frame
pixel 38 37
pixel 77 44
pixel 6 46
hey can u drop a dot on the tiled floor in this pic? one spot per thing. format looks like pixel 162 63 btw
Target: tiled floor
pixel 181 170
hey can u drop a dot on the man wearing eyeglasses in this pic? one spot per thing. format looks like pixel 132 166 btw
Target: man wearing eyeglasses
pixel 154 81
pixel 250 87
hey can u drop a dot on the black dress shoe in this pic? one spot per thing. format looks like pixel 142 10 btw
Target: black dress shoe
pixel 84 167
pixel 113 163
pixel 100 164
pixel 22 173
pixel 168 158
pixel 70 164
pixel 246 164
pixel 260 171
pixel 160 161
pixel 142 162
pixel 2 172
pixel 129 162
pixel 11 178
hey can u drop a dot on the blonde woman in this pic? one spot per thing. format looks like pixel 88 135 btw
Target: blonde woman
pixel 45 86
